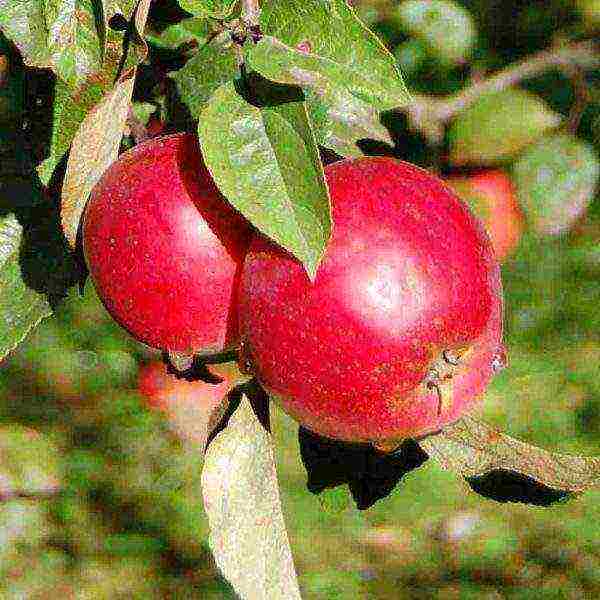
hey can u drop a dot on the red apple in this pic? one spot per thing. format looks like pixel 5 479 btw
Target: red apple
pixel 401 331
pixel 491 196
pixel 165 249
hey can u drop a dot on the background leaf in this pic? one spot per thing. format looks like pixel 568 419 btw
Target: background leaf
pixel 474 449
pixel 499 126
pixel 555 180
pixel 241 498
pixel 447 28
pixel 264 159
pixel 21 307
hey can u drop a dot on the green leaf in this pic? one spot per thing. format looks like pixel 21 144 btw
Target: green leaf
pixel 447 28
pixel 184 32
pixel 555 181
pixel 278 62
pixel 264 158
pixel 499 126
pixel 241 498
pixel 72 105
pixel 23 22
pixel 217 9
pixel 21 308
pixel 340 120
pixel 213 65
pixel 69 111
pixel 74 38
pixel 330 29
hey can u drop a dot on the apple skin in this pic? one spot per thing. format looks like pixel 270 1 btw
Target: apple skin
pixel 408 274
pixel 165 249
pixel 491 196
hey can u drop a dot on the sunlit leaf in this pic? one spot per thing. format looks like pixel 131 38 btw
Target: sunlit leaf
pixel 71 105
pixel 213 65
pixel 241 497
pixel 74 39
pixel 473 449
pixel 94 148
pixel 264 159
pixel 278 62
pixel 96 144
pixel 218 9
pixel 23 22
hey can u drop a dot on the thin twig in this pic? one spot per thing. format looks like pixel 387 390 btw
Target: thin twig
pixel 429 114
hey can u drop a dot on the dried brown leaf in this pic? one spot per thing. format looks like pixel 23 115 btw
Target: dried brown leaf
pixel 95 146
pixel 474 449
pixel 241 498
pixel 96 143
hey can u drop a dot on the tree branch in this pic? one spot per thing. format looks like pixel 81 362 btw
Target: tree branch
pixel 428 114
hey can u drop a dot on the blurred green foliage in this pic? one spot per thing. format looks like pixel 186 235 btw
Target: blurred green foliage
pixel 113 507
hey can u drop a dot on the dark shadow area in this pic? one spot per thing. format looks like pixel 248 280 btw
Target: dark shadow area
pixel 507 486
pixel 370 475
pixel 262 93
pixel 47 264
pixel 199 369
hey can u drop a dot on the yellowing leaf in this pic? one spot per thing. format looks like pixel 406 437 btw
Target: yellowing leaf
pixel 241 498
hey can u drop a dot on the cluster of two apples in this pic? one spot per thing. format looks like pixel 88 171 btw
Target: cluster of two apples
pixel 398 335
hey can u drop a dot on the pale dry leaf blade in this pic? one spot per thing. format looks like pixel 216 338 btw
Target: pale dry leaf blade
pixel 95 146
pixel 241 497
pixel 97 141
pixel 474 449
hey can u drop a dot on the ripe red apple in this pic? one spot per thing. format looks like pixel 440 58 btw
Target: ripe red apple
pixel 491 196
pixel 401 331
pixel 165 249
pixel 191 407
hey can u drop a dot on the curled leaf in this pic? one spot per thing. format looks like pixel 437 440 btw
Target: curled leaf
pixel 95 146
pixel 479 452
pixel 241 498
